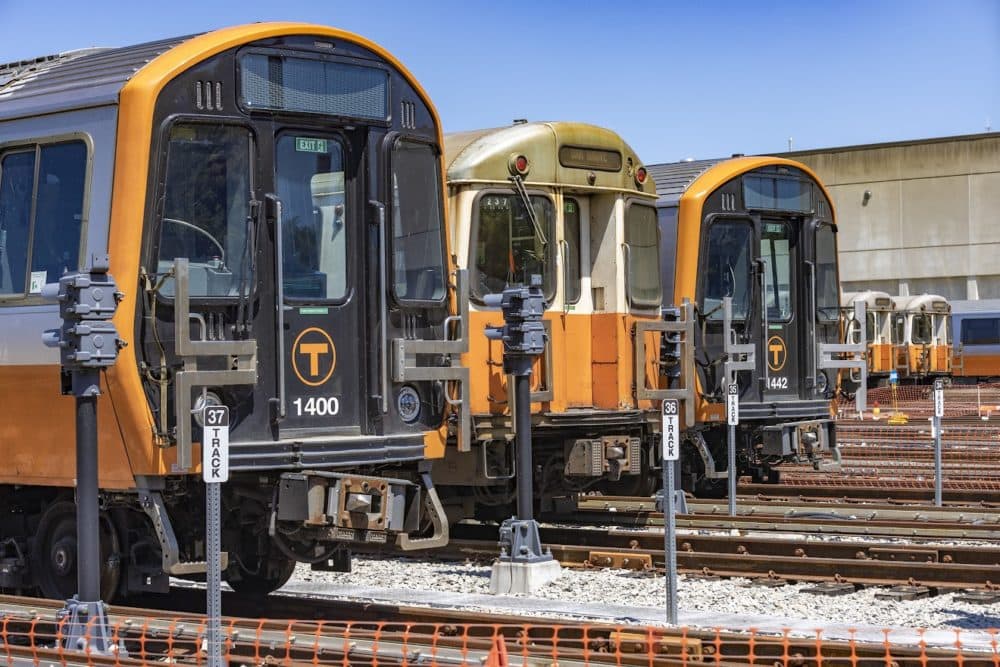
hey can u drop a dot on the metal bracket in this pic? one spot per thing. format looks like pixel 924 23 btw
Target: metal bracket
pixel 152 504
pixel 438 519
pixel 405 368
pixel 244 353
pixel 831 355
pixel 685 393
pixel 732 349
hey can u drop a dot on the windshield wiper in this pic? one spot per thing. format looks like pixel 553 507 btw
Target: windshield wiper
pixel 243 316
pixel 523 193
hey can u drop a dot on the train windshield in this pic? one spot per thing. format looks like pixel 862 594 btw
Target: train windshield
pixel 643 241
pixel 827 287
pixel 774 250
pixel 417 237
pixel 206 208
pixel 509 248
pixel 922 330
pixel 727 271
pixel 310 185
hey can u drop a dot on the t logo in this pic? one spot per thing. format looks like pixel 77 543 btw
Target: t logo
pixel 313 356
pixel 777 353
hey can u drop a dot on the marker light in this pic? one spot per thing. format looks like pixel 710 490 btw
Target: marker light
pixel 518 164
pixel 640 175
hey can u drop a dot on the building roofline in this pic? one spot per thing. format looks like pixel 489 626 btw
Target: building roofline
pixel 892 144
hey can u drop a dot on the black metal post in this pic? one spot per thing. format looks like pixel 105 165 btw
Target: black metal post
pixel 525 469
pixel 88 560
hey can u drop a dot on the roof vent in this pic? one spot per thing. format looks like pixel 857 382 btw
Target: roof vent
pixel 737 155
pixel 520 121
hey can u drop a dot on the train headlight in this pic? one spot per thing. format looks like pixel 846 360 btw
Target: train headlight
pixel 408 404
pixel 640 176
pixel 822 383
pixel 203 401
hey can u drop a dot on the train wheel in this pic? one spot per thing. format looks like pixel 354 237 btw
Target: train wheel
pixel 54 556
pixel 274 574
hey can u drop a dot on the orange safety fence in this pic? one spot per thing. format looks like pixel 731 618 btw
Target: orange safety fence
pixel 975 402
pixel 37 640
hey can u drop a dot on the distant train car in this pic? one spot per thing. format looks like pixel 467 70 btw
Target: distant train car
pixel 976 336
pixel 271 200
pixel 572 203
pixel 879 308
pixel 762 232
pixel 921 337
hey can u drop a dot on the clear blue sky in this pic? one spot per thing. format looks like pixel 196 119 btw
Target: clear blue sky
pixel 678 80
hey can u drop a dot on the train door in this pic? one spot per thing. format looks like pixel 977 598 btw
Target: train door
pixel 319 240
pixel 780 309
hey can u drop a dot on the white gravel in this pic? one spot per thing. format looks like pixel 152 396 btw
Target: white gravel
pixel 620 587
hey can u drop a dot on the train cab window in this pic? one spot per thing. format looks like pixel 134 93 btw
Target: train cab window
pixel 827 286
pixel 775 251
pixel 309 180
pixel 922 330
pixel 727 270
pixel 206 208
pixel 899 329
pixel 571 231
pixel 508 248
pixel 642 238
pixel 41 215
pixel 870 333
pixel 417 223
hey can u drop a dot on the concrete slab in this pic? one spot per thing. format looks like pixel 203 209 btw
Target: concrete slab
pixel 513 578
pixel 622 614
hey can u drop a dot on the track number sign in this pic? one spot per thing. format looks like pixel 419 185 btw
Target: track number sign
pixel 938 399
pixel 733 405
pixel 215 445
pixel 671 430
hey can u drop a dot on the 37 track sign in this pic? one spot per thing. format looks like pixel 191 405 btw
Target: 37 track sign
pixel 671 430
pixel 215 445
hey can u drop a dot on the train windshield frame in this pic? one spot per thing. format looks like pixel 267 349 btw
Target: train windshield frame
pixel 827 280
pixel 418 233
pixel 642 238
pixel 728 265
pixel 506 249
pixel 221 221
pixel 773 192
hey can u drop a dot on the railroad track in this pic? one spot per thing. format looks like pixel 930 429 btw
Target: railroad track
pixel 793 557
pixel 422 636
pixel 955 492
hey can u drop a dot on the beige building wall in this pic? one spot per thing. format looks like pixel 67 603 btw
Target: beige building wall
pixel 918 216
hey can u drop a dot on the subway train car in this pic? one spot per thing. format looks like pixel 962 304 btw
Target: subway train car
pixel 271 199
pixel 879 308
pixel 921 337
pixel 572 203
pixel 762 232
pixel 976 341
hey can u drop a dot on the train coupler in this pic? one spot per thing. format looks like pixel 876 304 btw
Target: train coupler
pixel 803 439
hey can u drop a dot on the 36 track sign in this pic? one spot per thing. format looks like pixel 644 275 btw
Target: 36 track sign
pixel 215 445
pixel 671 430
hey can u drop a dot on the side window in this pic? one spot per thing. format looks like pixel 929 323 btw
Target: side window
pixel 417 223
pixel 571 230
pixel 643 241
pixel 41 215
pixel 981 331
pixel 870 319
pixel 508 249
pixel 727 270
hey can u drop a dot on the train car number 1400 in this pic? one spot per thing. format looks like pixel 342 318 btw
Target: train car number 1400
pixel 317 406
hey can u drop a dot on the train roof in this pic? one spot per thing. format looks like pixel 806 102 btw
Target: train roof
pixel 674 178
pixel 983 306
pixel 75 79
pixel 870 297
pixel 482 156
pixel 921 302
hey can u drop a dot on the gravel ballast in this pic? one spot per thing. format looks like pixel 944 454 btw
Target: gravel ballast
pixel 639 589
